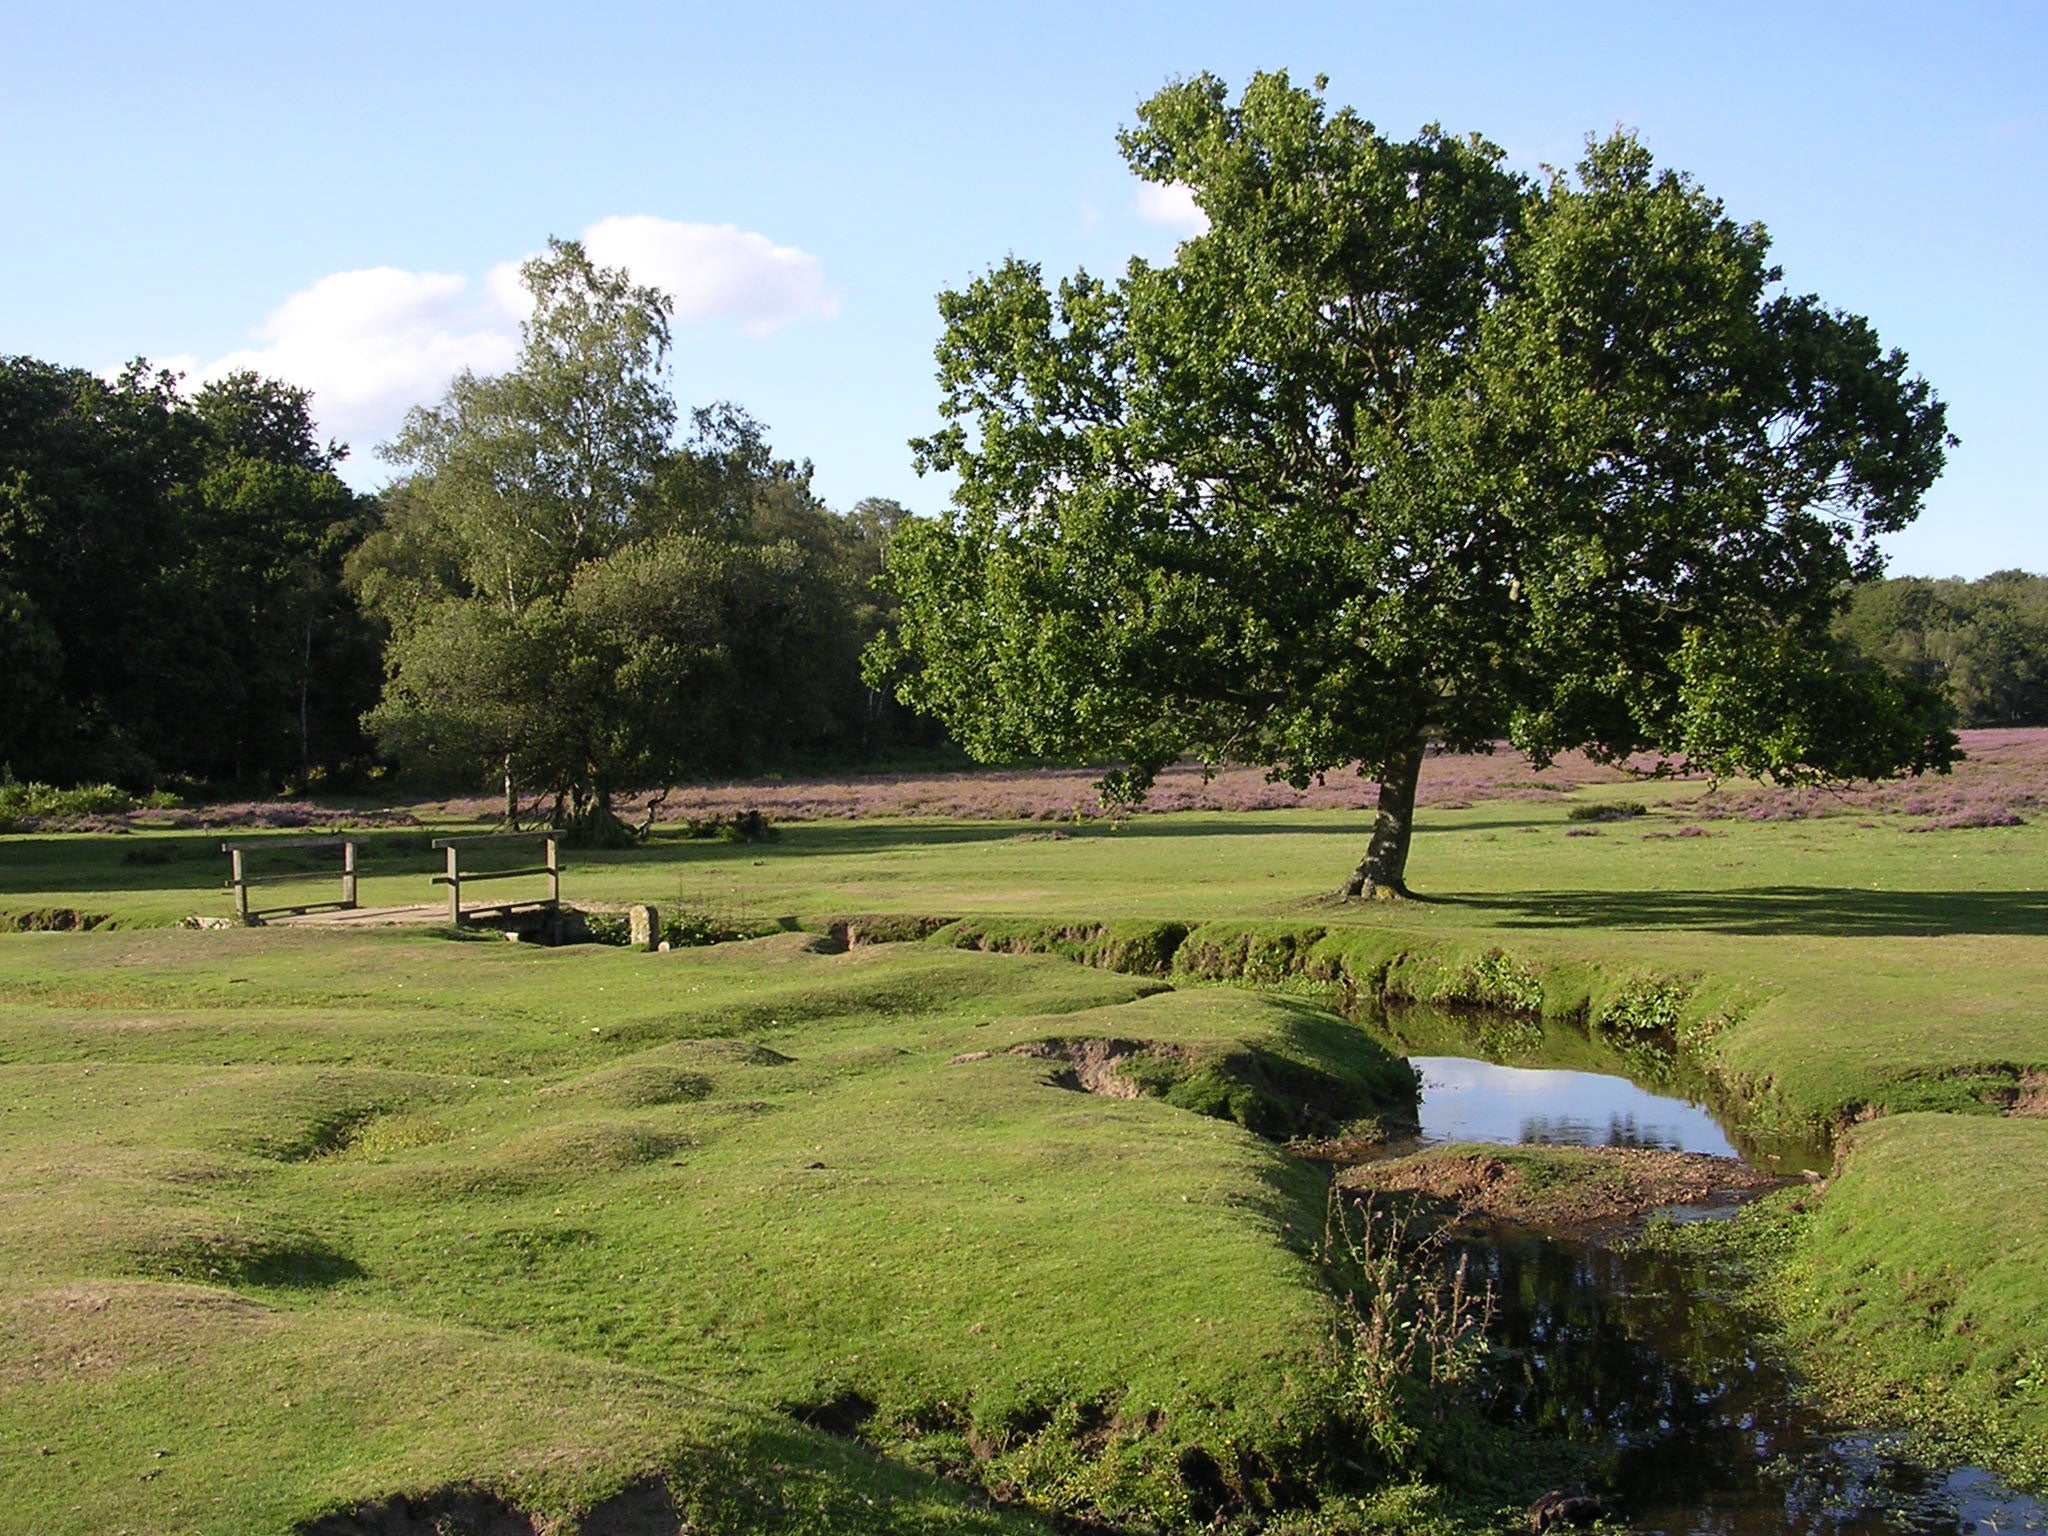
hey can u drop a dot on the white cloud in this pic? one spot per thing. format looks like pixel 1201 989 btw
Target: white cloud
pixel 1173 205
pixel 715 271
pixel 372 343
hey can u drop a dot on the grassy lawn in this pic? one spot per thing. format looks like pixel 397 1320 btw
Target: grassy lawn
pixel 291 1219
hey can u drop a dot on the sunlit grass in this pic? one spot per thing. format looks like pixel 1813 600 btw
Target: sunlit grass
pixel 549 1220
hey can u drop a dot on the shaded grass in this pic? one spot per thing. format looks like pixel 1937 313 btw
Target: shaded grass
pixel 134 1406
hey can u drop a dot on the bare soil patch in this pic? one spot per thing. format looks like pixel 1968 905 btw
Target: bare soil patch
pixel 1091 1065
pixel 51 920
pixel 645 1508
pixel 2032 1102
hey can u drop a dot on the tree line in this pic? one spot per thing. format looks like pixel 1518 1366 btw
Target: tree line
pixel 1984 643
pixel 1405 449
pixel 560 595
pixel 171 597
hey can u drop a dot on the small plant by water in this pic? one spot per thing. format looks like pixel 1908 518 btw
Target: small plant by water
pixel 1411 1330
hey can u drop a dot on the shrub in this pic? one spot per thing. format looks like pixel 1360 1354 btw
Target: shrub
pixel 1607 810
pixel 1646 1006
pixel 27 805
pixel 1245 952
pixel 693 930
pixel 607 928
pixel 747 826
pixel 1135 946
pixel 1411 1332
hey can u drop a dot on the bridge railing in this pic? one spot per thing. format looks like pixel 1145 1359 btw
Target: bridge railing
pixel 456 877
pixel 241 882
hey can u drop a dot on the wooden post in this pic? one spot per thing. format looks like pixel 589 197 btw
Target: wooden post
pixel 240 884
pixel 348 874
pixel 454 887
pixel 554 874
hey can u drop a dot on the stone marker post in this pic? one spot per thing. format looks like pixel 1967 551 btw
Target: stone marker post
pixel 644 927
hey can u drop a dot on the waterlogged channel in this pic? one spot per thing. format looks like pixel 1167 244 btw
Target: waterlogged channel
pixel 1465 1099
pixel 1648 1354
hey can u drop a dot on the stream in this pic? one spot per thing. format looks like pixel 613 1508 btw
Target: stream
pixel 1648 1354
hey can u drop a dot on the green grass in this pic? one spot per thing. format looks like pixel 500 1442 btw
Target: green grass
pixel 1909 1289
pixel 694 1193
pixel 328 1216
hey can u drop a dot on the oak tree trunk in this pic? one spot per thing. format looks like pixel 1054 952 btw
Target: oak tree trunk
pixel 1382 873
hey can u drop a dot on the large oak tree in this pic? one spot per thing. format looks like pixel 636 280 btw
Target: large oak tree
pixel 1406 450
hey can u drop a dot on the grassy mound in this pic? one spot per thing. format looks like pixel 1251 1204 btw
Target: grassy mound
pixel 1916 1283
pixel 815 1189
pixel 718 1209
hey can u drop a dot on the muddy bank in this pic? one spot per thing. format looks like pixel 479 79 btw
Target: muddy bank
pixel 644 1508
pixel 1558 1188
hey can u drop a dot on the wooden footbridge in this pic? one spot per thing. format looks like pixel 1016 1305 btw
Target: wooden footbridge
pixel 520 914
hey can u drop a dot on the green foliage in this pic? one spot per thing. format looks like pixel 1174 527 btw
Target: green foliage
pixel 1497 980
pixel 578 604
pixel 45 802
pixel 532 473
pixel 1411 1331
pixel 1402 448
pixel 607 928
pixel 748 826
pixel 1645 1005
pixel 170 603
pixel 1262 954
pixel 1607 810
pixel 686 929
pixel 1139 948
pixel 1984 643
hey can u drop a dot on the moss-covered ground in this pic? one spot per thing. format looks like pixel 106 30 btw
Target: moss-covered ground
pixel 291 1219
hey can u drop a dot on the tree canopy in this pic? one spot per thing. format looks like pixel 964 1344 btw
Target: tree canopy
pixel 170 600
pixel 1403 450
pixel 1983 642
pixel 579 602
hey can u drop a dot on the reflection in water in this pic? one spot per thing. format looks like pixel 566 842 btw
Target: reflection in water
pixel 1647 1357
pixel 1468 1100
pixel 1645 1354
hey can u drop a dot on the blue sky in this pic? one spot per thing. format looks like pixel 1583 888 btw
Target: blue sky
pixel 333 192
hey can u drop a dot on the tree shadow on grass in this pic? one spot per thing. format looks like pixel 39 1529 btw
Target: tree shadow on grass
pixel 883 835
pixel 1831 911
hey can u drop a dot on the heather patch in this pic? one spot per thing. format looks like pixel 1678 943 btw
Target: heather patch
pixel 2005 772
pixel 1449 781
pixel 2003 775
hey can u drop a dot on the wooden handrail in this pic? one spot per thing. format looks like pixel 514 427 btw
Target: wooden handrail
pixel 455 876
pixel 320 841
pixel 240 880
pixel 471 876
